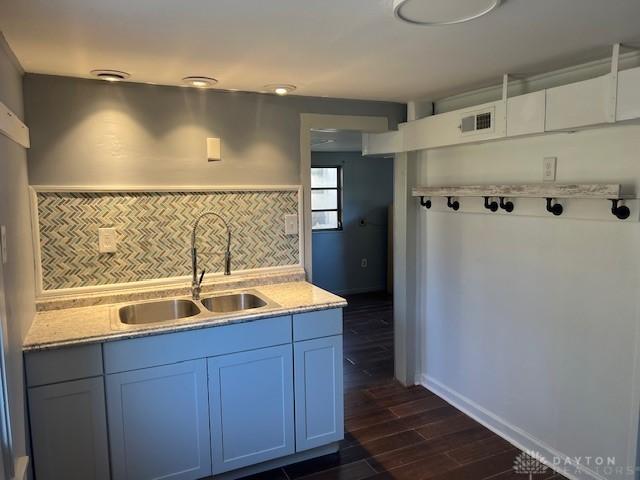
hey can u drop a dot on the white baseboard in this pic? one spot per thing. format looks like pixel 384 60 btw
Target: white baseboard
pixel 511 433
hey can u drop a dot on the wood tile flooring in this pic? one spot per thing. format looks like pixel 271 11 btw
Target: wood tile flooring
pixel 393 432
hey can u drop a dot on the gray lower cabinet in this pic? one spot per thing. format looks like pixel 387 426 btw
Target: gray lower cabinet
pixel 69 431
pixel 319 392
pixel 251 402
pixel 186 405
pixel 159 422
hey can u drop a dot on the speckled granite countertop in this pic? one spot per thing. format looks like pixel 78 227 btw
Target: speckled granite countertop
pixel 93 324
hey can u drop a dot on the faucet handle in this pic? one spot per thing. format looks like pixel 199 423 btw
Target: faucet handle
pixel 201 278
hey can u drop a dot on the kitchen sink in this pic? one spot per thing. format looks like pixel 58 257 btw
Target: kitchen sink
pixel 233 302
pixel 160 311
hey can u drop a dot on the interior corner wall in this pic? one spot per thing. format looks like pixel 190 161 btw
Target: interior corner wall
pixel 18 272
pixel 531 324
pixel 96 133
pixel 337 255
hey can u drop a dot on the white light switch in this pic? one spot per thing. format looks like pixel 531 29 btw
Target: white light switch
pixel 549 169
pixel 107 242
pixel 291 224
pixel 3 244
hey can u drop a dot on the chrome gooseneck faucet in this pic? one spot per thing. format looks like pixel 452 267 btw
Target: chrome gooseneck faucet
pixel 196 283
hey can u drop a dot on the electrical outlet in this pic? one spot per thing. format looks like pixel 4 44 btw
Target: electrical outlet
pixel 107 242
pixel 3 244
pixel 549 169
pixel 290 224
pixel 364 263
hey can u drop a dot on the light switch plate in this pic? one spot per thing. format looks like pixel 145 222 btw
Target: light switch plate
pixel 291 224
pixel 549 169
pixel 107 242
pixel 3 244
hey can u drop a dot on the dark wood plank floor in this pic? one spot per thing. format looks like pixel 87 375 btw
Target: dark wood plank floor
pixel 393 432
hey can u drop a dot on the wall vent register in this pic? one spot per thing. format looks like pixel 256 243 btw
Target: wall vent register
pixel 477 123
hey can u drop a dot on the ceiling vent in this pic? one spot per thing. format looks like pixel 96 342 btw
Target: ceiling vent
pixel 477 122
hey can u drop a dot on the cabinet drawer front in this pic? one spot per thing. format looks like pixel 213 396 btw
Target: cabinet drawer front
pixel 208 342
pixel 319 392
pixel 69 430
pixel 159 422
pixel 323 323
pixel 60 365
pixel 251 402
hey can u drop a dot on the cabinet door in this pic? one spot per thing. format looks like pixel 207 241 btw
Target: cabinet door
pixel 159 422
pixel 69 430
pixel 251 401
pixel 319 392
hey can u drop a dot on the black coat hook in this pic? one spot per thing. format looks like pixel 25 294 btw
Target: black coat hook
pixel 556 208
pixel 506 206
pixel 493 206
pixel 425 203
pixel 622 212
pixel 455 205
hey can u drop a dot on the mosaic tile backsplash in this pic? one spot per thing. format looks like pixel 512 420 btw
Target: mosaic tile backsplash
pixel 154 234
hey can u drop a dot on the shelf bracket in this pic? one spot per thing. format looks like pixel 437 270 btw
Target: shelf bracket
pixel 554 208
pixel 425 203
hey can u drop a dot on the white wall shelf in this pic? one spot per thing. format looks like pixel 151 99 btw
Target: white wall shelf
pixel 502 199
pixel 539 190
pixel 12 127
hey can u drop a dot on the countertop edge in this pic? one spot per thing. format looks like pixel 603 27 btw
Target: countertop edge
pixel 212 322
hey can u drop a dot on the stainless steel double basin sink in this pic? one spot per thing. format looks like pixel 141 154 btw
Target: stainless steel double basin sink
pixel 151 312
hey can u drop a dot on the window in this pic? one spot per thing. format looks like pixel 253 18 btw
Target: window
pixel 326 198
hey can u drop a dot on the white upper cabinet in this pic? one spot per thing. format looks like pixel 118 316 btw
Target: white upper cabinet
pixel 581 104
pixel 628 107
pixel 526 114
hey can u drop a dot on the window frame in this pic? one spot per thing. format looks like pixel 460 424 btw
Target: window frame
pixel 338 188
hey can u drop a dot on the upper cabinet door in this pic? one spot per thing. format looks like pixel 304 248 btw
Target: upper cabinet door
pixel 251 401
pixel 581 104
pixel 159 422
pixel 69 430
pixel 319 392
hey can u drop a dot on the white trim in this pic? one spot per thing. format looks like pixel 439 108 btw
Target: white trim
pixel 511 433
pixel 163 188
pixel 42 294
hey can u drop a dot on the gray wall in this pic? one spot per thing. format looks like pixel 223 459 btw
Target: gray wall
pixel 18 272
pixel 90 132
pixel 367 194
pixel 532 322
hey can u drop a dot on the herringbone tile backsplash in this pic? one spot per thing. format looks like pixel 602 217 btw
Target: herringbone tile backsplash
pixel 154 234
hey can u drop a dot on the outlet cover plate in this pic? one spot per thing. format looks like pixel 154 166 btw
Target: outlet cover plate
pixel 291 225
pixel 107 242
pixel 549 165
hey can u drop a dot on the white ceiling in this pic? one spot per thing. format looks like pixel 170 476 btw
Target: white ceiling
pixel 336 48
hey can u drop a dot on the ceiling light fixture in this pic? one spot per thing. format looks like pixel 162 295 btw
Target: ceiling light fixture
pixel 281 90
pixel 199 82
pixel 110 75
pixel 442 12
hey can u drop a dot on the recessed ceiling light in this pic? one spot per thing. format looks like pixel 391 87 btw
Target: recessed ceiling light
pixel 110 75
pixel 442 12
pixel 199 82
pixel 281 90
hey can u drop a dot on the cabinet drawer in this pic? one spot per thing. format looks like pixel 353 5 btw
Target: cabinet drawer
pixel 323 323
pixel 63 364
pixel 208 342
